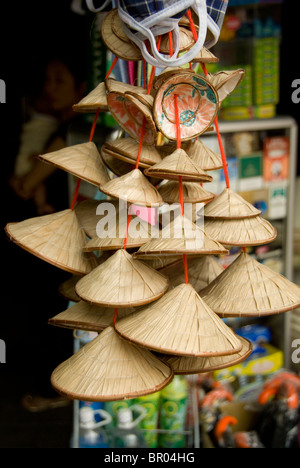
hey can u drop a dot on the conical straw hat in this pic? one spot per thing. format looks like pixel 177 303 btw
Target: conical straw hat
pixel 160 262
pixel 225 82
pixel 180 323
pixel 106 150
pixel 181 236
pixel 117 44
pixel 178 164
pixel 122 281
pixel 186 41
pixel 146 99
pixel 197 101
pixel 129 148
pixel 108 369
pixel 87 317
pixel 135 188
pixel 56 238
pixel 240 232
pixel 230 205
pixel 90 212
pixel 192 192
pixel 249 288
pixel 82 161
pixel 67 289
pixel 203 156
pixel 86 213
pixel 202 271
pixel 112 85
pixel 116 166
pixel 184 21
pixel 96 99
pixel 139 232
pixel 205 56
pixel 197 365
pixel 130 113
pixel 167 73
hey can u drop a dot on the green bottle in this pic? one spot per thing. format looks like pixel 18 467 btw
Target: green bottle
pixel 173 411
pixel 113 407
pixel 150 423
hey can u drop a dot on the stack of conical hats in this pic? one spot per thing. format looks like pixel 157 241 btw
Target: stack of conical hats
pixel 234 222
pixel 248 288
pixel 146 302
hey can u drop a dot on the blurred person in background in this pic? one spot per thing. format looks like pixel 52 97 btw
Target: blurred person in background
pixel 39 189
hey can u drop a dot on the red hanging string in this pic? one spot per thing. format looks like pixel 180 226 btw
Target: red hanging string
pixel 142 133
pixel 75 196
pixel 223 156
pixel 186 271
pixel 127 229
pixel 94 125
pixel 193 29
pixel 153 70
pixel 115 317
pixel 178 140
pixel 171 43
pixel 178 133
pixel 111 67
pixel 222 151
pixel 141 143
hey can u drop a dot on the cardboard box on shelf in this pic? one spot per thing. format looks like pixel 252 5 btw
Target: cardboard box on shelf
pixel 276 155
pixel 250 172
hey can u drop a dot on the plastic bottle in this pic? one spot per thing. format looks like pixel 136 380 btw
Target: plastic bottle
pixel 95 405
pixel 91 433
pixel 127 434
pixel 174 400
pixel 113 407
pixel 149 423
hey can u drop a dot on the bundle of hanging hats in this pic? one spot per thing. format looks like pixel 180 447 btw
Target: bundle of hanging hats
pixel 153 290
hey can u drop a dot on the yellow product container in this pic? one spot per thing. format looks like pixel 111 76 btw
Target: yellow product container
pixel 270 362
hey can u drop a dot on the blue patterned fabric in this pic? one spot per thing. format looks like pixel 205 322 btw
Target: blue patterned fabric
pixel 216 10
pixel 141 9
pixel 144 20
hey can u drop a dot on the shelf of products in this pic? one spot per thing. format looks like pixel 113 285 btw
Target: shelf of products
pixel 266 179
pixel 250 39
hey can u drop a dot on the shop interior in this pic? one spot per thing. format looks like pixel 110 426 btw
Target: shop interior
pixel 248 404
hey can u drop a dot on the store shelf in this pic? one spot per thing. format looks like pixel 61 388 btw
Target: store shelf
pixel 283 125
